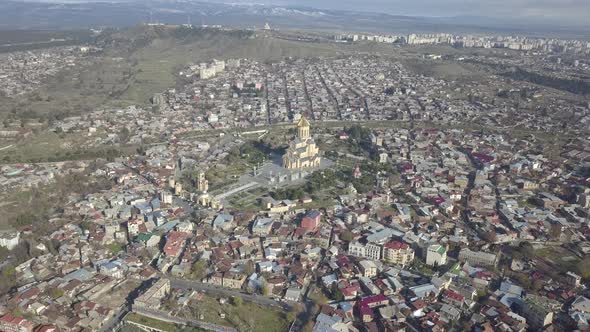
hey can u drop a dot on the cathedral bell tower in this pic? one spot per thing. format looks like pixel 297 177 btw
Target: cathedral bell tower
pixel 303 128
pixel 302 151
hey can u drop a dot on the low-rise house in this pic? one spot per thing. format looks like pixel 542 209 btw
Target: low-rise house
pixel 450 312
pixel 327 323
pixel 9 240
pixel 262 226
pixel 293 294
pixel 311 220
pixel 368 268
pixel 453 298
pixel 115 269
pixel 223 221
pixel 436 255
pixel 477 258
pixel 11 323
pixel 539 311
pixel 424 291
pixel 175 242
pixel 366 306
pixel 573 279
pixel 233 280
pixel 216 279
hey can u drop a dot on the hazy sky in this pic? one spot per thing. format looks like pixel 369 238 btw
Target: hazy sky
pixel 551 10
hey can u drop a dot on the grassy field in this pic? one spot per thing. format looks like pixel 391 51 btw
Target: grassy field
pixel 48 146
pixel 17 202
pixel 247 201
pixel 38 204
pixel 96 82
pixel 557 261
pixel 443 69
pixel 147 321
pixel 244 317
pixel 40 147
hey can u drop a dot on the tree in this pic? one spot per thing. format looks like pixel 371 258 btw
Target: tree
pixel 7 278
pixel 489 236
pixel 346 235
pixel 249 268
pixel 56 293
pixel 25 219
pixel 198 270
pixel 584 268
pixel 264 289
pixel 4 253
pixel 115 248
pixel 526 249
pixel 308 326
pixel 237 301
pixel 318 298
pixel 337 293
pixel 294 312
pixel 124 134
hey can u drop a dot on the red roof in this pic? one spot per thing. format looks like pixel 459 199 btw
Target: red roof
pixel 371 300
pixel 16 321
pixel 30 293
pixel 419 304
pixel 396 245
pixel 438 200
pixel 366 311
pixel 350 290
pixel 484 158
pixel 454 295
pixel 174 242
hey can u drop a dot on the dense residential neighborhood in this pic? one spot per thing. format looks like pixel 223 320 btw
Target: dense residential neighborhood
pixel 340 193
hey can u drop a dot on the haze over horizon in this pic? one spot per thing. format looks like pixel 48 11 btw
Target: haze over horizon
pixel 562 12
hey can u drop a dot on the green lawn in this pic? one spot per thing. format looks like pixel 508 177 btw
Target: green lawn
pixel 115 248
pixel 247 201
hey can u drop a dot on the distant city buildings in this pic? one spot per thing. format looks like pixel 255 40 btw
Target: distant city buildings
pixel 519 43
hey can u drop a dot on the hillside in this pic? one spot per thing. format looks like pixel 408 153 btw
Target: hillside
pixel 137 62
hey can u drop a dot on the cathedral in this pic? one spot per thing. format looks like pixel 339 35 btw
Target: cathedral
pixel 302 151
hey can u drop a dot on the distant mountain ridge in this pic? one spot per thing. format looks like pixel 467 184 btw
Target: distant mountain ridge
pixel 68 14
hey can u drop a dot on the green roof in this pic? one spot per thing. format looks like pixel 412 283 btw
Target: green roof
pixel 144 237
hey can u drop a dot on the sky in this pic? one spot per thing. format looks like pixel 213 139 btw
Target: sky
pixel 565 11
